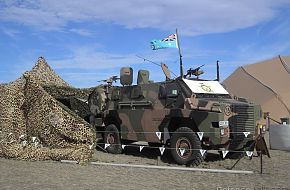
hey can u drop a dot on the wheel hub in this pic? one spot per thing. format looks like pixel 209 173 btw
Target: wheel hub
pixel 183 148
pixel 110 138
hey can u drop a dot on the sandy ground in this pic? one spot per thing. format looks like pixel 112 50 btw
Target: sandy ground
pixel 55 175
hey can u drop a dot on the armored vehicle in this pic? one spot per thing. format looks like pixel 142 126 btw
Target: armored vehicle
pixel 185 114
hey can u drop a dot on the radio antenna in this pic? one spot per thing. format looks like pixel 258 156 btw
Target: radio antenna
pixel 149 60
pixel 158 64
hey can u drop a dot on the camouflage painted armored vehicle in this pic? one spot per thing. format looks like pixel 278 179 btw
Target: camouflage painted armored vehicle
pixel 184 114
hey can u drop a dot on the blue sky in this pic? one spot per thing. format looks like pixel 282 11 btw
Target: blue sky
pixel 85 41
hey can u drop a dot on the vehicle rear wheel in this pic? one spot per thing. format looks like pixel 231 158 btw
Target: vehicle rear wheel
pixel 112 137
pixel 185 146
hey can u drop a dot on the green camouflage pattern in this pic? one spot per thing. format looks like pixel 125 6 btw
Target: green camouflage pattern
pixel 139 111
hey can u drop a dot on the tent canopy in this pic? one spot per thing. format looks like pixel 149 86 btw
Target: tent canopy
pixel 266 83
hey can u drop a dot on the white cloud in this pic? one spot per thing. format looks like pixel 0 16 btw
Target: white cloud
pixel 87 65
pixel 81 32
pixel 38 18
pixel 192 17
pixel 9 32
pixel 86 58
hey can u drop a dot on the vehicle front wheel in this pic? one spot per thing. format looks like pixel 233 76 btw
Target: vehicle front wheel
pixel 185 147
pixel 112 137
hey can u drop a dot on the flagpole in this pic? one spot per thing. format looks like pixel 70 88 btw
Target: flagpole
pixel 180 56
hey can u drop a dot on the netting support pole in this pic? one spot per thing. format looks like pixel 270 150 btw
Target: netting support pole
pixel 261 154
pixel 261 160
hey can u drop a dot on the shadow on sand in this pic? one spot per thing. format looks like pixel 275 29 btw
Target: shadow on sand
pixel 154 152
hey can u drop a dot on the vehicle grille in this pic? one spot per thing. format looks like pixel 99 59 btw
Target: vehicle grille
pixel 243 121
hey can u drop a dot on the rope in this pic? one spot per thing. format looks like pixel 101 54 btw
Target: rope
pixel 285 65
pixel 168 148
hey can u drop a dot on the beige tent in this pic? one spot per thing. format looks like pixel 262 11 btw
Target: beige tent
pixel 266 83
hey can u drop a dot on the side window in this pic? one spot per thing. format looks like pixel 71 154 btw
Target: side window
pixel 172 90
pixel 168 91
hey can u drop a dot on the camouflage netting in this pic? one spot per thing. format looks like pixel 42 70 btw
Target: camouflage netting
pixel 73 98
pixel 35 126
pixel 44 74
pixel 61 91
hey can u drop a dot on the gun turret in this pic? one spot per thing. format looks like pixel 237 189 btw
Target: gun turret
pixel 110 80
pixel 196 72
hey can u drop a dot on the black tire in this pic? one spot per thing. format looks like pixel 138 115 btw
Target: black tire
pixel 112 137
pixel 185 138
